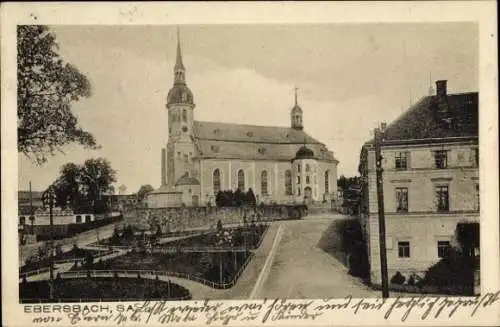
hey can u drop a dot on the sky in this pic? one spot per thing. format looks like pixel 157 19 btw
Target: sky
pixel 350 78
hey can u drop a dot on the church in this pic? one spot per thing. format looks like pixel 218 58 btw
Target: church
pixel 281 165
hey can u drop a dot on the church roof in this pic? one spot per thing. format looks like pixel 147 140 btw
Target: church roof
pixel 251 142
pixel 186 180
pixel 304 153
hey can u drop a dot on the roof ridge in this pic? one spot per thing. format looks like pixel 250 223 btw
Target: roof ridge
pixel 237 124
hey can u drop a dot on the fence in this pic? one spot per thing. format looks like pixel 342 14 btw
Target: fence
pixel 77 300
pixel 63 261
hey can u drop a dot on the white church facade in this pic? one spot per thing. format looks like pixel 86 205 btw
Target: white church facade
pixel 280 164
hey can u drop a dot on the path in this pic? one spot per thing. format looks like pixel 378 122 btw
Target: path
pixel 300 269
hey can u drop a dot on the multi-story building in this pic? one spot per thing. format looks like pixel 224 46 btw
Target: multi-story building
pixel 430 161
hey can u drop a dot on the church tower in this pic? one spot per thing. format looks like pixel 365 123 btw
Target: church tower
pixel 180 105
pixel 296 114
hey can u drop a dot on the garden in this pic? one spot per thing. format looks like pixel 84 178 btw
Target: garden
pixel 102 289
pixel 41 259
pixel 217 256
pixel 216 267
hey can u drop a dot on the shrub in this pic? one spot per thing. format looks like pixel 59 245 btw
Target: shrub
pixel 455 270
pixel 398 278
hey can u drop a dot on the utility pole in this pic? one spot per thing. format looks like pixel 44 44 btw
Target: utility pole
pixel 49 198
pixel 381 212
pixel 32 214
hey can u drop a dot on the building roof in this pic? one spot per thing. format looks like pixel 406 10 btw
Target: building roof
pixel 422 122
pixel 164 189
pixel 304 153
pixel 186 180
pixel 251 142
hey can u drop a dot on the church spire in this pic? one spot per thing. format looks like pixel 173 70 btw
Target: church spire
pixel 179 69
pixel 296 113
pixel 178 60
pixel 295 92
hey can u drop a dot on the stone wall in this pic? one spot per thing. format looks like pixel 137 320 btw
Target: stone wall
pixel 176 219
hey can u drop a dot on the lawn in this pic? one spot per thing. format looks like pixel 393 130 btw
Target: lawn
pixel 104 289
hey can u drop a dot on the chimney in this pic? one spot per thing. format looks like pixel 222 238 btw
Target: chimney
pixel 163 168
pixel 441 88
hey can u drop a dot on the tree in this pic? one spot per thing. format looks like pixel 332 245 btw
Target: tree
pixel 97 177
pixel 68 186
pixel 144 191
pixel 81 186
pixel 250 198
pixel 46 88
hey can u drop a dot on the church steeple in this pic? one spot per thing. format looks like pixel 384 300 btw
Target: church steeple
pixel 296 113
pixel 180 92
pixel 179 69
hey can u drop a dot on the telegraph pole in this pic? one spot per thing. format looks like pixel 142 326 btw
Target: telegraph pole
pixel 381 212
pixel 49 198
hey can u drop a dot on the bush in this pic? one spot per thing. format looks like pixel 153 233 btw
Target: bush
pixel 457 269
pixel 398 278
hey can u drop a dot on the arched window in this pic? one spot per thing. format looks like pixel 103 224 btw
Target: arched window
pixel 288 182
pixel 263 183
pixel 308 168
pixel 241 180
pixel 216 181
pixel 298 168
pixel 184 115
pixel 327 181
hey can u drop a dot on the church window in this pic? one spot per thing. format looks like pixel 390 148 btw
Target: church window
pixel 263 183
pixel 298 168
pixel 186 158
pixel 327 181
pixel 298 191
pixel 308 168
pixel 216 181
pixel 308 180
pixel 184 97
pixel 184 115
pixel 298 179
pixel 241 180
pixel 288 182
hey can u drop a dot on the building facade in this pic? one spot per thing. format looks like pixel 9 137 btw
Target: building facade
pixel 430 181
pixel 279 164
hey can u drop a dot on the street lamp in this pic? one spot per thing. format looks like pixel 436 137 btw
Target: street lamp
pixel 49 199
